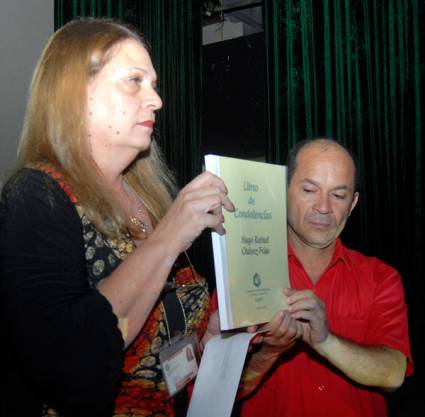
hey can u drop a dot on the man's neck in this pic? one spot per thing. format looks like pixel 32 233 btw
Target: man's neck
pixel 314 260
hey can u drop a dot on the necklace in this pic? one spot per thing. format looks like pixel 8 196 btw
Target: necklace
pixel 141 225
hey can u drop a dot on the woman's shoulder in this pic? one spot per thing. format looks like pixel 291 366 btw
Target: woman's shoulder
pixel 33 204
pixel 29 187
pixel 26 179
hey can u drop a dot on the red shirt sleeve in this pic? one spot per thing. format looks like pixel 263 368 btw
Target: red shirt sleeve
pixel 388 326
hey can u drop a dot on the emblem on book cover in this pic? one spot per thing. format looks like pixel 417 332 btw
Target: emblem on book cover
pixel 256 279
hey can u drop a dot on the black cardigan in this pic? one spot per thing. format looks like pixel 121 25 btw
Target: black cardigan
pixel 61 343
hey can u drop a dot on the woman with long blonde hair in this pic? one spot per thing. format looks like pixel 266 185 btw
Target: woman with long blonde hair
pixel 94 277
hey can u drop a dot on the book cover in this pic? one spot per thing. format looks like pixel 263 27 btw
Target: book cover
pixel 250 260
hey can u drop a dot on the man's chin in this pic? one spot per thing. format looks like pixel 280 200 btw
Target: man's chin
pixel 321 243
pixel 313 240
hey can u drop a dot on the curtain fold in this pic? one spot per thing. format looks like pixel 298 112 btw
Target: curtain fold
pixel 355 70
pixel 174 30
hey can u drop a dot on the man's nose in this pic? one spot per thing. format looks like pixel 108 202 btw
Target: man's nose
pixel 322 203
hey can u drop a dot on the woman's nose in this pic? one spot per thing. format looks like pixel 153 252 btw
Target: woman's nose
pixel 152 99
pixel 157 100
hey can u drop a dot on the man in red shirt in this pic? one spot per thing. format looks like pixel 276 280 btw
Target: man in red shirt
pixel 344 339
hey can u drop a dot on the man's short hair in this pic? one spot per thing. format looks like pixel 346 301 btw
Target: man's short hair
pixel 291 160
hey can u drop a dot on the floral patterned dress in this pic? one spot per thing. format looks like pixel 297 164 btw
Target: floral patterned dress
pixel 143 390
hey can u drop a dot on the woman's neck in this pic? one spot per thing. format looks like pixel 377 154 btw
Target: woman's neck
pixel 112 167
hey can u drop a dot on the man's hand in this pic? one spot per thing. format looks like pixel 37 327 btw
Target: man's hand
pixel 281 334
pixel 377 366
pixel 309 311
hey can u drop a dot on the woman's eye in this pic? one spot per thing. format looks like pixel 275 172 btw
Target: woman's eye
pixel 136 80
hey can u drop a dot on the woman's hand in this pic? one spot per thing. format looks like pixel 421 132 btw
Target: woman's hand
pixel 213 328
pixel 197 206
pixel 134 286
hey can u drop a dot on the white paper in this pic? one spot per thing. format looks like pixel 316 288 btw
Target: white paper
pixel 212 164
pixel 219 375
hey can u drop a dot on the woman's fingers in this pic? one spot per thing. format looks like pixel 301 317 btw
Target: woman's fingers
pixel 205 179
pixel 198 206
pixel 208 182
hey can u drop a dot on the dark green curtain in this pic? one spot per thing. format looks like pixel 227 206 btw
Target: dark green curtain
pixel 173 29
pixel 354 70
pixel 66 10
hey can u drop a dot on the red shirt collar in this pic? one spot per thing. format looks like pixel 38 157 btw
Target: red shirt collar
pixel 340 253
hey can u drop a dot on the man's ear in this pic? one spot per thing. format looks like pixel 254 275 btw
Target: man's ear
pixel 354 202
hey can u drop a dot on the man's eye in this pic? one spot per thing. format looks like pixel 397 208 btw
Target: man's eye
pixel 339 196
pixel 308 190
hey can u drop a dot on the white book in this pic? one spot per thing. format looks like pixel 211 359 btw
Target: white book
pixel 250 260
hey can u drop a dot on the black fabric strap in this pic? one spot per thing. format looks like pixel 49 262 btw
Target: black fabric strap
pixel 174 313
pixel 172 306
pixel 176 325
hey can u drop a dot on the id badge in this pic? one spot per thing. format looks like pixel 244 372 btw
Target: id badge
pixel 179 362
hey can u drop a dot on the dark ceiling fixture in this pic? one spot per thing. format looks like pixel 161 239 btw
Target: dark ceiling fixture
pixel 213 10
